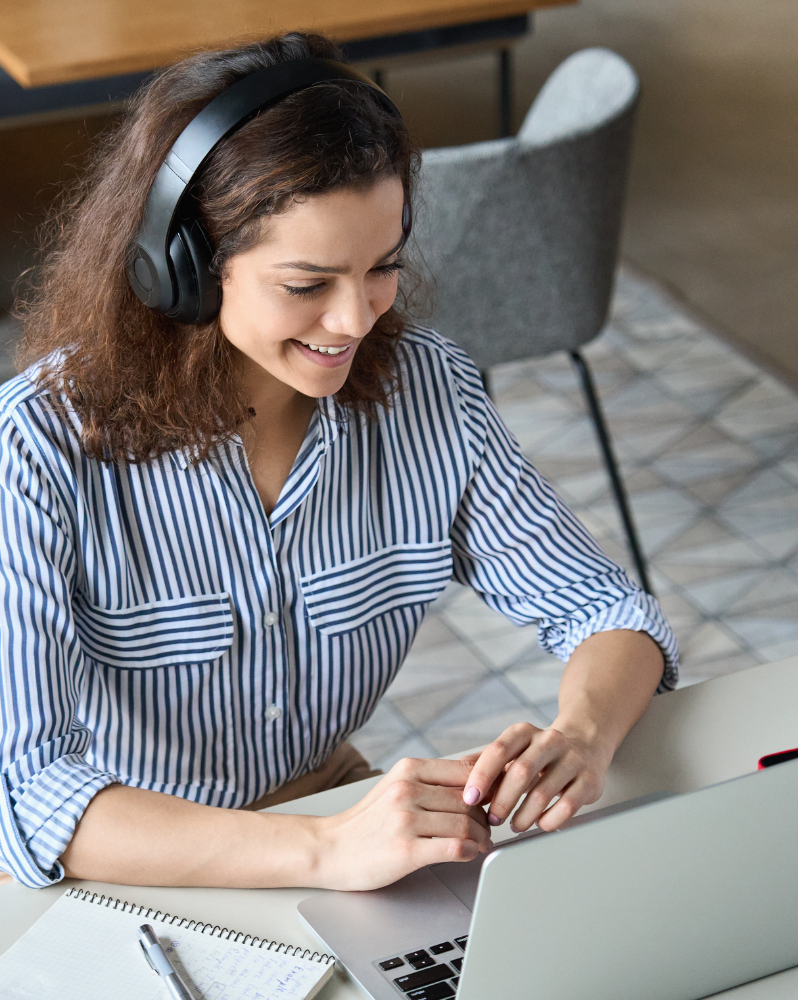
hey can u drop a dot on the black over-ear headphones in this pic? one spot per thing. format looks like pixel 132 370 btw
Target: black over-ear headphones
pixel 169 263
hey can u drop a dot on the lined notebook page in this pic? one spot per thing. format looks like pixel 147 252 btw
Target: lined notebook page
pixel 83 950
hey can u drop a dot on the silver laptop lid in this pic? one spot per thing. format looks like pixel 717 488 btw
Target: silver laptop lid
pixel 674 900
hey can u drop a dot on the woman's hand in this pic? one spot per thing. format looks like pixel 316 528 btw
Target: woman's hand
pixel 605 688
pixel 415 816
pixel 533 766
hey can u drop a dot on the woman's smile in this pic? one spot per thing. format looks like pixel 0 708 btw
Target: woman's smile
pixel 328 356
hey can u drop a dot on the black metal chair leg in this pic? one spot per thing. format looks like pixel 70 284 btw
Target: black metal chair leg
pixel 618 488
pixel 505 93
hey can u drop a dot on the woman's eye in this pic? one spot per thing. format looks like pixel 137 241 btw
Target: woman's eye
pixel 304 289
pixel 386 270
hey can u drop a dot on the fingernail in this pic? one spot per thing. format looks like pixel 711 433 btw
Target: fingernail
pixel 494 820
pixel 471 795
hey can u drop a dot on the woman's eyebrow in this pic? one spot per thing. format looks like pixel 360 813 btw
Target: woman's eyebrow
pixel 395 249
pixel 303 265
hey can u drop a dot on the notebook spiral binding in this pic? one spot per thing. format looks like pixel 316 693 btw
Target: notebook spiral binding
pixel 214 930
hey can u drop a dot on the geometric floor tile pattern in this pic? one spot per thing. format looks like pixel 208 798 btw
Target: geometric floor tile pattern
pixel 708 445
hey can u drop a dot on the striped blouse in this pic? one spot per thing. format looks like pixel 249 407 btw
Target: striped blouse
pixel 159 630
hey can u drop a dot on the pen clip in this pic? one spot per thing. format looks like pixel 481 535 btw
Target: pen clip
pixel 147 956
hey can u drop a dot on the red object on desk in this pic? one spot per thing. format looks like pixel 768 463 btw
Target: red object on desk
pixel 777 758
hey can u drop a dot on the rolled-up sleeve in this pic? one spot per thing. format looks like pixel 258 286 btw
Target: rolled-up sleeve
pixel 45 782
pixel 522 550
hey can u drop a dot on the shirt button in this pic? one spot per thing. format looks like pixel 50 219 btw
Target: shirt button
pixel 273 712
pixel 270 619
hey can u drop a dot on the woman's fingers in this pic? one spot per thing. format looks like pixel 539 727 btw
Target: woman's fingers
pixel 491 762
pixel 434 798
pixel 584 790
pixel 562 810
pixel 424 811
pixel 459 826
pixel 551 784
pixel 405 794
pixel 436 850
pixel 523 773
pixel 536 793
pixel 580 789
pixel 450 773
pixel 532 766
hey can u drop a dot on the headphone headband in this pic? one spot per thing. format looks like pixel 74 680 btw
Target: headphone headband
pixel 156 268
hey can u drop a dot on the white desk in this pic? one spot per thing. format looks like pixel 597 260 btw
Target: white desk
pixel 686 739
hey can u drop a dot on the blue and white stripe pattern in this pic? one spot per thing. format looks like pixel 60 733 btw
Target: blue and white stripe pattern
pixel 158 629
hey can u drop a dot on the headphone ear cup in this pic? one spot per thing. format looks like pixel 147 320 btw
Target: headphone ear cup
pixel 199 295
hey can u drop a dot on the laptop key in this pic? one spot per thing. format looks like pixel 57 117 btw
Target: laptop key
pixel 462 941
pixel 419 959
pixel 391 963
pixel 424 977
pixel 440 991
pixel 439 949
pixel 457 964
pixel 455 981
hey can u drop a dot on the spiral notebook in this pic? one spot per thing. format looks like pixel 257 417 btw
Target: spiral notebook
pixel 85 947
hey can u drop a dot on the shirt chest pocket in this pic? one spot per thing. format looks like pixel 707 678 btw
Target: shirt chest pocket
pixel 163 633
pixel 348 596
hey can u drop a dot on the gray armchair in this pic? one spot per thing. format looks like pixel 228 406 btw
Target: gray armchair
pixel 521 235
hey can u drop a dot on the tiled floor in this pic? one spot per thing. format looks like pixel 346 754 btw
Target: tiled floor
pixel 709 448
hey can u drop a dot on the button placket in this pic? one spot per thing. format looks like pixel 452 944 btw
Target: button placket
pixel 269 688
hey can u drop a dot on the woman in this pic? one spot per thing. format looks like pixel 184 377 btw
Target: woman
pixel 219 539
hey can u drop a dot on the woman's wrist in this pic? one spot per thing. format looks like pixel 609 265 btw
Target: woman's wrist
pixel 290 850
pixel 588 732
pixel 606 686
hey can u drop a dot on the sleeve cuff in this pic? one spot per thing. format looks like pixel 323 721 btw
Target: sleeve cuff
pixel 38 818
pixel 638 612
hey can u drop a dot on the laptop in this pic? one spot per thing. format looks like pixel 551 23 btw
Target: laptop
pixel 669 897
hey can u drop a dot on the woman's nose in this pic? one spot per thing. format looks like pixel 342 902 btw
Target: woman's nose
pixel 351 313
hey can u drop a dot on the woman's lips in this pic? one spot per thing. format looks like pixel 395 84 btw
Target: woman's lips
pixel 327 360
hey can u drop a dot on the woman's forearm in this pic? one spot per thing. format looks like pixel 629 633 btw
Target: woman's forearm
pixel 414 816
pixel 133 836
pixel 606 686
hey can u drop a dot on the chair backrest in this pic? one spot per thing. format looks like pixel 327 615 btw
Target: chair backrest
pixel 521 235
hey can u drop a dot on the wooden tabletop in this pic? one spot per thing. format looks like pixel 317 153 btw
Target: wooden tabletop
pixel 59 41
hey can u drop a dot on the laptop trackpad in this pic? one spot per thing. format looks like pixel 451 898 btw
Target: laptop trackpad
pixel 461 878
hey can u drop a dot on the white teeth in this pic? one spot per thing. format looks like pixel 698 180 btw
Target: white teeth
pixel 325 350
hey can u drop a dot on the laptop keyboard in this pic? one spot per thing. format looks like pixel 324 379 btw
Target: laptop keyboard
pixel 430 973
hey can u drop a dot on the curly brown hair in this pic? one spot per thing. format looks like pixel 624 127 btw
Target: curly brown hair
pixel 141 383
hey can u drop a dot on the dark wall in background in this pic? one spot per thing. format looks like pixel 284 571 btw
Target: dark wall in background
pixel 35 161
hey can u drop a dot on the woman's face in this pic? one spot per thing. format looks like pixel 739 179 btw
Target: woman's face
pixel 299 304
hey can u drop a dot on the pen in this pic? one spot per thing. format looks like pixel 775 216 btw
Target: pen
pixel 160 963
